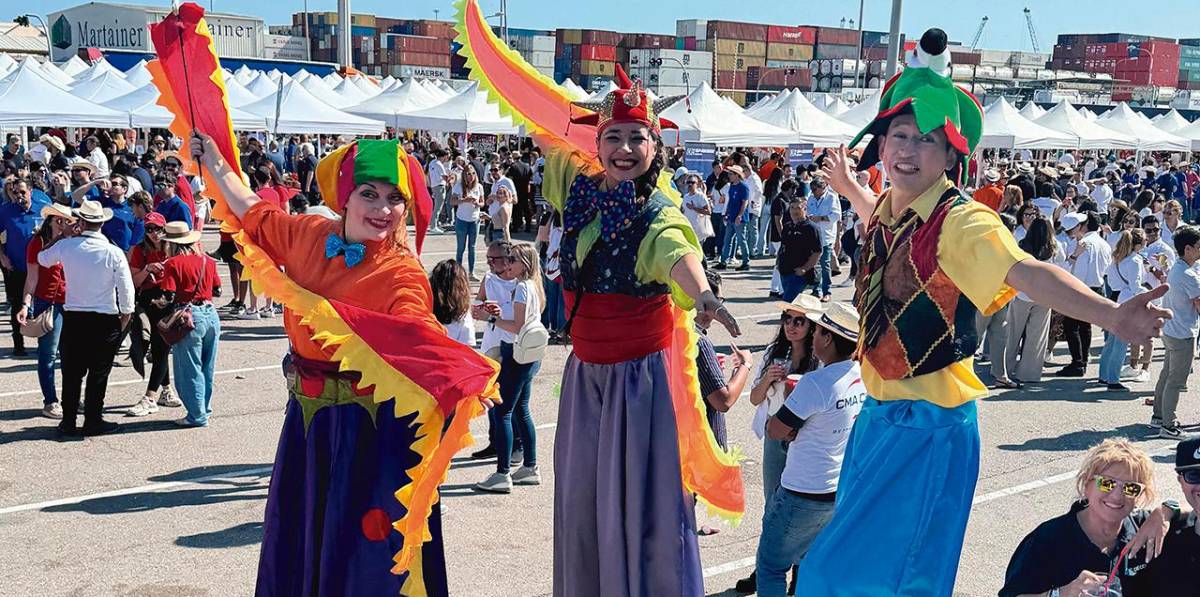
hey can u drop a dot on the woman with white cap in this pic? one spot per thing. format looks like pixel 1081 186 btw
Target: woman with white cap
pixel 46 290
pixel 190 281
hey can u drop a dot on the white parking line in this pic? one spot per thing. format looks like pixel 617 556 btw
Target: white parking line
pixel 127 382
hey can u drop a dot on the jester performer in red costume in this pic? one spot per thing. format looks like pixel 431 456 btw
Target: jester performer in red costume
pixel 633 446
pixel 379 398
pixel 932 258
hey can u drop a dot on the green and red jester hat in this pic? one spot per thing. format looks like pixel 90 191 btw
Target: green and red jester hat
pixel 924 89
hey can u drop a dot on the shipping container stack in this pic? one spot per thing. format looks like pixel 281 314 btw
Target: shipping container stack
pixel 668 71
pixel 836 59
pixel 384 46
pixel 1189 64
pixel 534 45
pixel 1134 61
pixel 875 55
pixel 789 57
pixel 735 47
pixel 587 56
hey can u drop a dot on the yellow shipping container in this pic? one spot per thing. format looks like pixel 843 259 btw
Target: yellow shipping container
pixel 592 68
pixel 572 36
pixel 328 18
pixel 741 47
pixel 363 20
pixel 737 96
pixel 789 52
pixel 727 62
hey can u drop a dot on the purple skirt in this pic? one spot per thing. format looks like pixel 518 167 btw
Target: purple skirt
pixel 325 532
pixel 623 525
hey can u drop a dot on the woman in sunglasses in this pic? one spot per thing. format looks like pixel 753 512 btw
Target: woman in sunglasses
pixel 146 264
pixel 1107 530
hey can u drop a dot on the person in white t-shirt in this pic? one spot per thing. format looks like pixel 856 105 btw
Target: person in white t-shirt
pixel 466 198
pixel 436 174
pixel 697 208
pixel 817 416
pixel 500 203
pixel 516 310
pixel 452 301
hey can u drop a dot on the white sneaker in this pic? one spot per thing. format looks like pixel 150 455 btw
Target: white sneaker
pixel 168 399
pixel 1128 372
pixel 144 407
pixel 267 313
pixel 249 314
pixel 1143 376
pixel 52 411
pixel 518 456
pixel 496 483
pixel 1173 432
pixel 527 475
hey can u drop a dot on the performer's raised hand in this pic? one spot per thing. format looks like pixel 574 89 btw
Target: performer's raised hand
pixel 205 150
pixel 837 169
pixel 1138 319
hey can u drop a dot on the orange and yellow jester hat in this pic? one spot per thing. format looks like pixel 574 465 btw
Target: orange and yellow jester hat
pixel 350 165
pixel 924 89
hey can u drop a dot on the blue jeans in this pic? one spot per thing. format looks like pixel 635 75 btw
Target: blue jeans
pixel 735 232
pixel 774 460
pixel 194 358
pixel 714 245
pixel 465 234
pixel 793 285
pixel 47 350
pixel 826 273
pixel 554 315
pixel 516 384
pixel 1112 358
pixel 789 527
pixel 763 246
pixel 752 238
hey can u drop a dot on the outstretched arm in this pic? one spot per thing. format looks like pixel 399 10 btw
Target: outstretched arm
pixel 237 195
pixel 689 275
pixel 1134 321
pixel 842 181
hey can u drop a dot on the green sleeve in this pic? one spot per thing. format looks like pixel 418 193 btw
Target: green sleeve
pixel 670 238
pixel 559 172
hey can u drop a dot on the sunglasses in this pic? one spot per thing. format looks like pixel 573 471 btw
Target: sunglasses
pixel 787 320
pixel 119 183
pixel 1191 477
pixel 154 230
pixel 501 258
pixel 1131 489
pixel 1155 229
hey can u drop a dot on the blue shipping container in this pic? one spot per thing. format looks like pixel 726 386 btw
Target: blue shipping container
pixel 360 31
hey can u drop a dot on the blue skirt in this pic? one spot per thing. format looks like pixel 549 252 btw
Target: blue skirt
pixel 903 499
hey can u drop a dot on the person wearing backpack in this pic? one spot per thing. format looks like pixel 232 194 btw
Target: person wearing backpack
pixel 517 318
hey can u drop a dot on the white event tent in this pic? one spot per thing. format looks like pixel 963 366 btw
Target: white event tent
pixel 237 93
pixel 836 107
pixel 768 102
pixel 1191 132
pixel 365 84
pixel 1065 119
pixel 404 98
pixel 1006 128
pixel 863 112
pixel 245 74
pixel 28 98
pixel 345 94
pixel 705 117
pixel 1170 121
pixel 144 112
pixel 467 112
pixel 262 85
pixel 574 90
pixel 795 113
pixel 1032 111
pixel 97 69
pixel 74 66
pixel 6 64
pixel 301 112
pixel 139 75
pixel 600 94
pixel 102 88
pixel 1148 137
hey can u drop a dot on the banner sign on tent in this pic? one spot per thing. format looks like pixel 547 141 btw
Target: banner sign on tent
pixel 698 157
pixel 800 154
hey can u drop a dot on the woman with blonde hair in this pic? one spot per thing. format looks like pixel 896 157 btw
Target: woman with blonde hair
pixel 1012 200
pixel 1107 529
pixel 522 307
pixel 1125 280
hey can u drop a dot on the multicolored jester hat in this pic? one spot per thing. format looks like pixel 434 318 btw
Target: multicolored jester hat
pixel 407 368
pixel 566 132
pixel 925 89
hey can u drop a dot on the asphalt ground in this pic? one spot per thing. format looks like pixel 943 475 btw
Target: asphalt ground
pixel 155 510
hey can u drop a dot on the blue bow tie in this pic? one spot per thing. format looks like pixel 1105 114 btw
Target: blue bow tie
pixel 354 252
pixel 617 208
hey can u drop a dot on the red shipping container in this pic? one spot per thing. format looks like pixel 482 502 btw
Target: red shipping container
pixel 835 35
pixel 413 43
pixel 689 43
pixel 421 59
pixel 964 58
pixel 800 77
pixel 733 30
pixel 602 53
pixel 791 35
pixel 596 37
pixel 731 79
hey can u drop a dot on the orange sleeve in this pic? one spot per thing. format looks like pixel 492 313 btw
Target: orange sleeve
pixel 276 231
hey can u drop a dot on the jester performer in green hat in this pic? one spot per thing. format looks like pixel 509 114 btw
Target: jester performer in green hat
pixel 932 258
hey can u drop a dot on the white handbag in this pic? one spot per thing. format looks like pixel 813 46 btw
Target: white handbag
pixel 529 345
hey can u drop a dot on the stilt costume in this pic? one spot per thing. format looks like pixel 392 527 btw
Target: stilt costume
pixel 633 445
pixel 912 460
pixel 379 397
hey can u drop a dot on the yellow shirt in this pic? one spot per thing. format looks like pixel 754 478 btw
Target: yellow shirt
pixel 976 251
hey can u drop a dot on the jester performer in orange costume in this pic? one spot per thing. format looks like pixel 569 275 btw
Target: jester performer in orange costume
pixel 633 446
pixel 379 397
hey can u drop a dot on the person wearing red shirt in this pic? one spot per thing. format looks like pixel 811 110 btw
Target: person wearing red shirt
pixel 46 289
pixel 172 167
pixel 190 281
pixel 992 193
pixel 146 265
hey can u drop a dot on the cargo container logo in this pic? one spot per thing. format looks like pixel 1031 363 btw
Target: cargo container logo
pixel 60 33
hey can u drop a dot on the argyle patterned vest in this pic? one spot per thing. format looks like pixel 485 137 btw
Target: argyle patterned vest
pixel 914 319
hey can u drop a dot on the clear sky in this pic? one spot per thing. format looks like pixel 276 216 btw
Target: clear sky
pixel 1006 27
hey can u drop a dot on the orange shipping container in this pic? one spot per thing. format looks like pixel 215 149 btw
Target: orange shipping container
pixel 739 63
pixel 740 47
pixel 593 68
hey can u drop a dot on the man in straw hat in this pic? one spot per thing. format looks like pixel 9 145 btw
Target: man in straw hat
pixel 93 316
pixel 817 417
pixel 932 259
pixel 992 192
pixel 19 218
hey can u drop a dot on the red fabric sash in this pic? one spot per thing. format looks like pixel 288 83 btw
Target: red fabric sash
pixel 612 328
